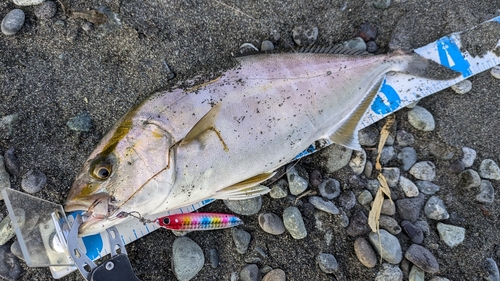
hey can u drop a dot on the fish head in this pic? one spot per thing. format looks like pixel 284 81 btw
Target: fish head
pixel 130 171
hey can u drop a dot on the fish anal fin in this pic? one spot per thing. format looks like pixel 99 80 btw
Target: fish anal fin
pixel 245 189
pixel 347 134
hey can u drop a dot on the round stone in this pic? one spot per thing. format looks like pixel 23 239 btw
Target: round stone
pixel 246 207
pixel 381 4
pixel 368 136
pixel 388 153
pixel 315 178
pixel 11 163
pixel 214 258
pixel 387 246
pixel 187 258
pixel 487 192
pixel 355 44
pixel 33 181
pixel 10 267
pixel 365 253
pixel 275 275
pixel 462 87
pixel 390 224
pixel 422 258
pixel 416 274
pixel 468 179
pixel 292 218
pixel 279 189
pixel 27 2
pixel 371 47
pixel 389 272
pixel 435 209
pixel 408 156
pixel 367 31
pixel 271 223
pixel 421 119
pixel 329 188
pixel 424 170
pixel 241 240
pixel 495 72
pixel 46 10
pixel 404 138
pixel 297 179
pixel 409 208
pixel 304 36
pixel 468 157
pixel 408 187
pixel 392 176
pixel 358 224
pixel 414 232
pixel 358 162
pixel 327 263
pixel 365 198
pixel 489 170
pixel 427 187
pixel 250 273
pixel 13 22
pixel 334 157
pixel 347 200
pixel 457 166
pixel 266 45
pixel 492 268
pixel 323 205
pixel 450 234
pixel 80 123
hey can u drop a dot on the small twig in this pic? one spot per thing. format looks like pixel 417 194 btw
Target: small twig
pixel 309 192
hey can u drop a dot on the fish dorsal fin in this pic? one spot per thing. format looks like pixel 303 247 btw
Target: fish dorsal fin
pixel 347 133
pixel 245 189
pixel 332 49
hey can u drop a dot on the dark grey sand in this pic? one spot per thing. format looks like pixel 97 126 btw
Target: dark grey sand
pixel 49 71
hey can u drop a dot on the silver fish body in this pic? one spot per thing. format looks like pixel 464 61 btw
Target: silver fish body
pixel 221 139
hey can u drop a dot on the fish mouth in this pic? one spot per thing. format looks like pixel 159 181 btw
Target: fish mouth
pixel 96 212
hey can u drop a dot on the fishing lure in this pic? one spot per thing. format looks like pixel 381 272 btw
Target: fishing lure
pixel 198 221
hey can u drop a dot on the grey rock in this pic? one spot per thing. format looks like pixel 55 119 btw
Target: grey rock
pixel 404 138
pixel 487 192
pixel 87 26
pixel 27 2
pixel 329 188
pixel 469 156
pixel 213 255
pixel 327 263
pixel 13 22
pixel 4 177
pixel 492 268
pixel 250 273
pixel 372 186
pixel 358 162
pixel 294 223
pixel 81 123
pixel 304 36
pixel 427 187
pixel 408 187
pixel 368 136
pixel 422 258
pixel 46 10
pixel 391 175
pixel 414 232
pixel 424 226
pixel 275 275
pixel 368 169
pixel 371 47
pixel 6 124
pixel 462 87
pixel 344 219
pixel 457 166
pixel 271 223
pixel 10 267
pixel 389 224
pixel 416 274
pixel 7 227
pixel 358 225
pixel 279 189
pixel 408 156
pixel 315 178
pixel 388 207
pixel 356 44
pixel 389 272
pixel 435 209
pixel 33 181
pixel 265 269
pixel 11 162
pixel 187 258
pixel 489 170
pixel 387 246
pixel 451 235
pixel 367 31
pixel 336 156
pixel 347 200
pixel 323 205
pixel 495 72
pixel 409 208
pixel 241 239
pixel 297 179
pixel 260 251
pixel 468 179
pixel 246 207
pixel 365 253
pixel 388 154
pixel 424 170
pixel 266 45
pixel 421 119
pixel 381 4
pixel 365 197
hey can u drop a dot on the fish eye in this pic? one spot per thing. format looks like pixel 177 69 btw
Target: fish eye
pixel 102 171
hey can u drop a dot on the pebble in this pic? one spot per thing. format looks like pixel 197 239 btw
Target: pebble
pixel 371 47
pixel 424 170
pixel 358 161
pixel 367 31
pixel 416 274
pixel 392 176
pixel 4 177
pixel 358 225
pixel 265 269
pixel 388 154
pixel 33 181
pixel 424 226
pixel 408 156
pixel 388 207
pixel 294 223
pixel 246 207
pixel 368 169
pixel 414 232
pixel 365 198
pixel 381 4
pixel 88 26
pixel 344 219
pixel 187 258
pixel 468 179
pixel 408 187
pixel 279 189
pixel 327 263
pixel 492 269
pixel 487 192
pixel 413 104
pixel 266 45
pixel 451 235
pixel 323 205
pixel 213 255
pixel 489 170
pixel 329 188
pixel 10 267
pixel 389 272
pixel 437 278
pixel 6 227
pixel 13 22
pixel 275 275
pixel 356 44
pixel 409 208
pixel 390 249
pixel 372 186
pixel 404 138
pixel 336 157
pixel 368 136
pixel 469 156
pixel 495 72
pixel 462 87
pixel 80 123
pixel 6 124
pixel 421 119
pixel 365 253
pixel 28 2
pixel 46 10
pixel 457 167
pixel 271 223
pixel 241 239
pixel 304 36
pixel 347 200
pixel 250 273
pixel 440 151
pixel 422 258
pixel 315 178
pixel 389 224
pixel 297 179
pixel 11 163
pixel 427 187
pixel 435 209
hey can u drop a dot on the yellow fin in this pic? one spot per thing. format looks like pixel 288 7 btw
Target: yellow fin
pixel 347 134
pixel 245 189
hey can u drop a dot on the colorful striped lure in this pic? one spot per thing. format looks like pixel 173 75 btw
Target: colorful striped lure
pixel 198 221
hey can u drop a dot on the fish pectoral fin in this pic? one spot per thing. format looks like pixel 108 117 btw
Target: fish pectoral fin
pixel 347 134
pixel 206 123
pixel 245 189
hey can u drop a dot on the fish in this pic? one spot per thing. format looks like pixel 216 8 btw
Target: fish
pixel 223 138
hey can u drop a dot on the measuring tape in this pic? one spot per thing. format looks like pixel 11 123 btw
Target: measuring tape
pixel 397 91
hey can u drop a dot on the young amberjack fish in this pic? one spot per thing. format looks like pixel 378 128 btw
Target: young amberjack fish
pixel 199 221
pixel 223 138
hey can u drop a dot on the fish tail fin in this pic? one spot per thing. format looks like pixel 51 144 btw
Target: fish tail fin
pixel 419 66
